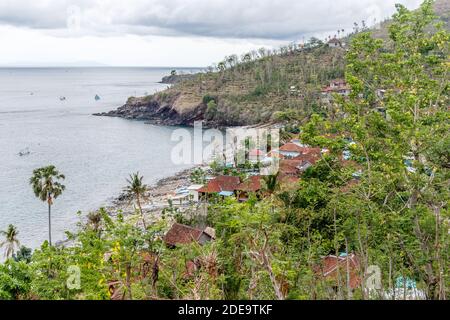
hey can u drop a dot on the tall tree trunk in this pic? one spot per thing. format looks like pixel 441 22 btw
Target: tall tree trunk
pixel 128 281
pixel 347 267
pixel 49 224
pixel 140 210
pixel 336 249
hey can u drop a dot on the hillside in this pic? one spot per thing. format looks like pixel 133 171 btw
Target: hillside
pixel 257 87
pixel 247 92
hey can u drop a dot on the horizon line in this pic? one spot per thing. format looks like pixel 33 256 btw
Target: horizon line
pixel 95 66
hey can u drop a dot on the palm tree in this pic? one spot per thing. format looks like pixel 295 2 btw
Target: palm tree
pixel 137 189
pixel 46 187
pixel 94 221
pixel 10 242
pixel 221 66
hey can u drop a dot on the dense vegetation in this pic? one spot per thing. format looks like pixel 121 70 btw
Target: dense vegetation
pixel 391 215
pixel 250 89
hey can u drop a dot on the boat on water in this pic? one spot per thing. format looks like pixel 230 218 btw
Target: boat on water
pixel 97 97
pixel 62 98
pixel 24 152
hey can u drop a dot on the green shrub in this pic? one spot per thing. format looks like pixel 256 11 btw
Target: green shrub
pixel 208 98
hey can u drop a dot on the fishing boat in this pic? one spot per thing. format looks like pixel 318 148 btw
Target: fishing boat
pixel 24 152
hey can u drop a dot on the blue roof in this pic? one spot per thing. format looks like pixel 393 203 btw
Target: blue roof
pixel 401 282
pixel 226 193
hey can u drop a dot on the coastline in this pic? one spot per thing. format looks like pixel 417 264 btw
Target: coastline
pixel 154 202
pixel 157 195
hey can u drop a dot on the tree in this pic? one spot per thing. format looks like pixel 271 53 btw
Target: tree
pixel 94 221
pixel 15 280
pixel 222 66
pixel 137 189
pixel 395 215
pixel 271 183
pixel 211 110
pixel 24 254
pixel 46 187
pixel 11 242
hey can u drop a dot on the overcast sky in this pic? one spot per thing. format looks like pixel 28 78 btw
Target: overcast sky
pixel 168 32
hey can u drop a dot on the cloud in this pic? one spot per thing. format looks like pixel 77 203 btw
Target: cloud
pixel 241 19
pixel 168 32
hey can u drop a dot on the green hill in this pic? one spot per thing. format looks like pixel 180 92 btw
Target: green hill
pixel 258 87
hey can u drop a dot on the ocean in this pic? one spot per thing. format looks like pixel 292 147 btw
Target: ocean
pixel 48 112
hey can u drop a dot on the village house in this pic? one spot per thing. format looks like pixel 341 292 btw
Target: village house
pixel 221 185
pixel 335 43
pixel 292 150
pixel 306 161
pixel 345 266
pixel 182 234
pixel 289 167
pixel 298 165
pixel 193 191
pixel 227 186
pixel 337 86
pixel 248 186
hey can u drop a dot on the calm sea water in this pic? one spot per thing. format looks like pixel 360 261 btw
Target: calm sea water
pixel 95 153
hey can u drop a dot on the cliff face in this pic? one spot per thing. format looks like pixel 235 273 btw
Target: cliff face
pixel 177 78
pixel 153 110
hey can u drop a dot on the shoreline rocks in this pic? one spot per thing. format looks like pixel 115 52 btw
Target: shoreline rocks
pixel 176 78
pixel 154 110
pixel 157 194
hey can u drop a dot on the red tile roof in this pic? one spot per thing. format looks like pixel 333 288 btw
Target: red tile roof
pixel 291 147
pixel 182 234
pixel 289 167
pixel 221 183
pixel 334 40
pixel 329 268
pixel 311 158
pixel 252 184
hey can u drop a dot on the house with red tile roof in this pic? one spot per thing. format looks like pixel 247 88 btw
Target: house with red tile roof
pixel 290 150
pixel 346 266
pixel 338 86
pixel 182 234
pixel 335 43
pixel 220 184
pixel 298 164
pixel 290 167
pixel 230 185
pixel 251 185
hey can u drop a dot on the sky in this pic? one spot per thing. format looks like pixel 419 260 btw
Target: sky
pixel 182 33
